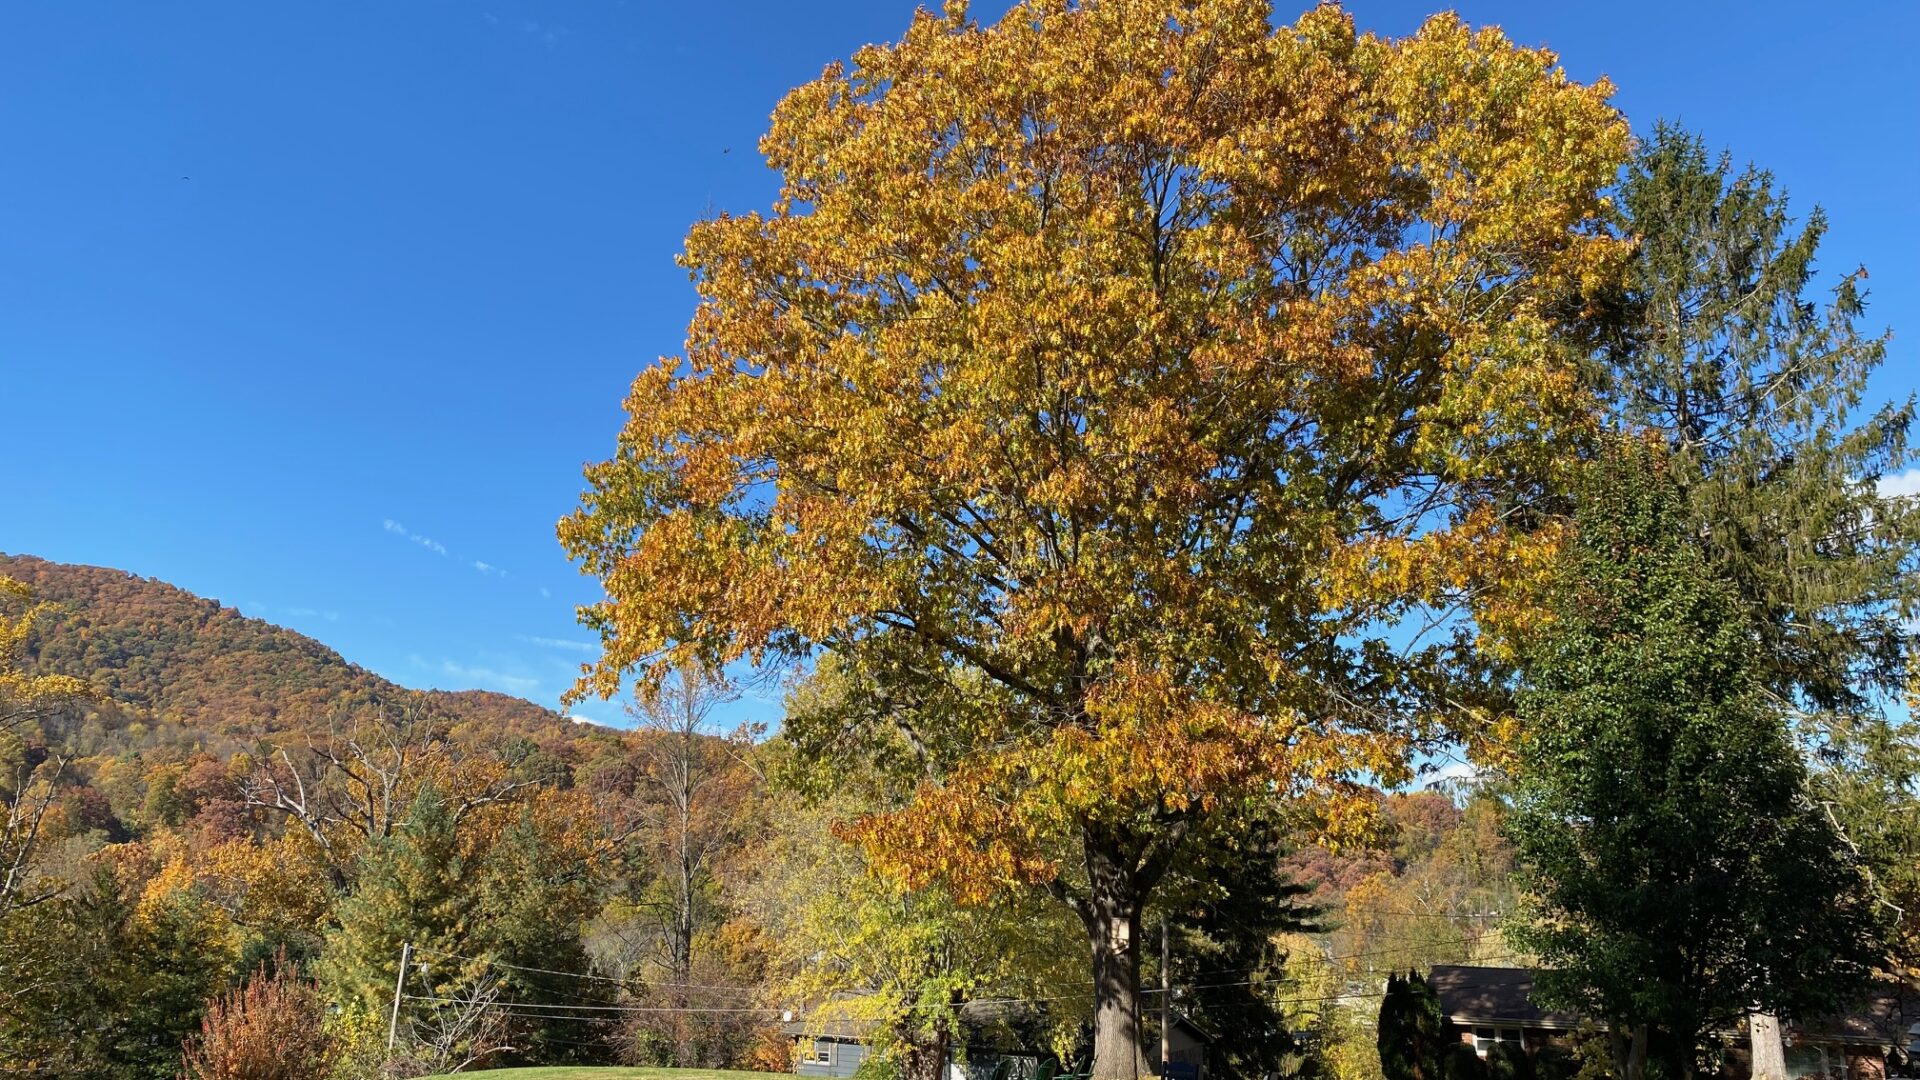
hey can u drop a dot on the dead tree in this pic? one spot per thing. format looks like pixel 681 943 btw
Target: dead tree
pixel 358 780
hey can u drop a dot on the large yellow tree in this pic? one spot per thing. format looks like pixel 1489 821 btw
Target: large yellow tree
pixel 1103 387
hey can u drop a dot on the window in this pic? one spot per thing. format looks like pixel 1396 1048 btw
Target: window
pixel 1806 1062
pixel 820 1052
pixel 1484 1038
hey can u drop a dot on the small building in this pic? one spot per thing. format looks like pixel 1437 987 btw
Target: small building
pixel 829 1048
pixel 1485 1006
pixel 836 1048
pixel 1187 1047
pixel 1488 1005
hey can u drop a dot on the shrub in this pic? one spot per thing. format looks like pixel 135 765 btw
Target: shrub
pixel 1461 1063
pixel 269 1029
pixel 1507 1061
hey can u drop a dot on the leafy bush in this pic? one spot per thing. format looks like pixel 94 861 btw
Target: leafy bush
pixel 1461 1063
pixel 1508 1061
pixel 270 1029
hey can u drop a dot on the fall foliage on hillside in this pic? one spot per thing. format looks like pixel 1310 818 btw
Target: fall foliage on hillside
pixel 166 656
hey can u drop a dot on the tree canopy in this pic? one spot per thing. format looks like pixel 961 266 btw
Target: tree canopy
pixel 1677 875
pixel 1102 384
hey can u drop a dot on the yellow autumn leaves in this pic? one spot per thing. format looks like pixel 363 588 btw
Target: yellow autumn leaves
pixel 1142 359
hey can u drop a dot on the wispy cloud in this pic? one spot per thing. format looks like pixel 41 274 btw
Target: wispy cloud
pixel 1906 483
pixel 311 613
pixel 490 678
pixel 546 593
pixel 427 542
pixel 548 33
pixel 559 643
pixel 440 549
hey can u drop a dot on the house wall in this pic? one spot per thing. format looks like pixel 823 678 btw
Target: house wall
pixel 846 1058
pixel 1186 1056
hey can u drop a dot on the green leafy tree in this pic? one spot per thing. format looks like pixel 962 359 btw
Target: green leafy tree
pixel 109 992
pixel 1755 386
pixel 1677 874
pixel 853 945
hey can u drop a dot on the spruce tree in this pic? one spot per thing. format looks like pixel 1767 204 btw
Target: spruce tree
pixel 536 894
pixel 1753 384
pixel 413 887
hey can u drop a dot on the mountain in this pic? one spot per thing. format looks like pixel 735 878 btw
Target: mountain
pixel 155 649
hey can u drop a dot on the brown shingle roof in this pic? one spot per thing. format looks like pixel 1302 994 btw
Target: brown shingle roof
pixel 1492 995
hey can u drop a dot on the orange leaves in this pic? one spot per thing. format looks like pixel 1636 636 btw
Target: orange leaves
pixel 1149 748
pixel 1141 362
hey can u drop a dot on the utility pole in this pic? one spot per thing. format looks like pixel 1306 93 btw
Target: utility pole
pixel 1166 996
pixel 399 987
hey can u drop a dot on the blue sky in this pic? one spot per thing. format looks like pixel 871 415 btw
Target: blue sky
pixel 318 308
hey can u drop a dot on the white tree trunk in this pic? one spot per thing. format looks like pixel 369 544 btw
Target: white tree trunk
pixel 1769 1055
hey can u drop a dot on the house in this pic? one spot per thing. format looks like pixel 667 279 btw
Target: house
pixel 835 1048
pixel 1485 1006
pixel 1489 1005
pixel 829 1048
pixel 1187 1046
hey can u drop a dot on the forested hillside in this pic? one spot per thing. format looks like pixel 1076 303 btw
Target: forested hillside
pixel 225 791
pixel 169 656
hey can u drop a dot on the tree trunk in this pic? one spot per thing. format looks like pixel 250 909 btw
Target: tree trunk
pixel 1769 1054
pixel 1111 913
pixel 1629 1050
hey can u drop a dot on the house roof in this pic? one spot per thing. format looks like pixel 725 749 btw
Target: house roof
pixel 1492 995
pixel 1886 1018
pixel 1504 995
pixel 1187 1024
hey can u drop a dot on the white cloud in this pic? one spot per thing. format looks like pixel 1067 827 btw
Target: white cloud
pixel 1453 772
pixel 427 542
pixel 578 719
pixel 1906 483
pixel 545 593
pixel 559 643
pixel 490 678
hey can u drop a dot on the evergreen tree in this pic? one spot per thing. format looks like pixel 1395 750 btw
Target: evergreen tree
pixel 536 894
pixel 413 887
pixel 1751 384
pixel 1678 875
pixel 105 992
pixel 1412 1030
pixel 1227 909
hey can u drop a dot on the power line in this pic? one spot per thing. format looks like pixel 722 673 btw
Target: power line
pixel 628 983
pixel 597 1008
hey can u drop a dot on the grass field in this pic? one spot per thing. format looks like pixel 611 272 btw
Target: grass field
pixel 582 1072
pixel 588 1073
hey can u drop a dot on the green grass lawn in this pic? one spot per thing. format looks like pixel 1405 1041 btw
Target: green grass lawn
pixel 581 1072
pixel 586 1073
